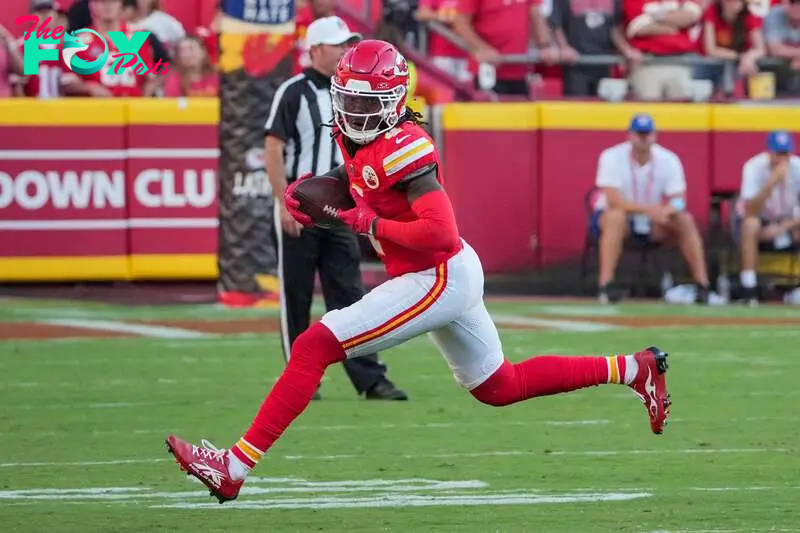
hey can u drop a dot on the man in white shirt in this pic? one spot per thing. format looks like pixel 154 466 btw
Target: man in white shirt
pixel 643 195
pixel 769 206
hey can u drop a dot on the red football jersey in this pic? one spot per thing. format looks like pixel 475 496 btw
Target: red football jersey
pixel 634 12
pixel 126 83
pixel 50 79
pixel 375 170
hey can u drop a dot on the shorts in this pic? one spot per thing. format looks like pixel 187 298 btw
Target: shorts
pixel 446 302
pixel 594 229
pixel 763 246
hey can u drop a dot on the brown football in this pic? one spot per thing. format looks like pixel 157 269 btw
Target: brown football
pixel 321 195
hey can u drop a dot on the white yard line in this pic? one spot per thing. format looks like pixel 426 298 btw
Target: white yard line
pixel 499 453
pixel 405 501
pixel 579 310
pixel 158 332
pixel 558 325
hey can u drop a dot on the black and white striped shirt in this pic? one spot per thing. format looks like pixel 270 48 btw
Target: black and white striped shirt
pixel 301 106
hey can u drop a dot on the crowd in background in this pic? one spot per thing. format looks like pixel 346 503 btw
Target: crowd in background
pixel 563 33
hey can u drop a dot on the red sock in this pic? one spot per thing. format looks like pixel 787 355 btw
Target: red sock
pixel 545 375
pixel 313 351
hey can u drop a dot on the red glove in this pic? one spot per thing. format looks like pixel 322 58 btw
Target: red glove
pixel 293 204
pixel 361 219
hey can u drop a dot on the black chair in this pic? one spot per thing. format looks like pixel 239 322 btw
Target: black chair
pixel 734 221
pixel 645 249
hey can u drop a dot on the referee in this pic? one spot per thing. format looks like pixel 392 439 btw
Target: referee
pixel 296 144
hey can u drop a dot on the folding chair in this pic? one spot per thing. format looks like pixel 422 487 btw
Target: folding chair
pixel 765 249
pixel 591 246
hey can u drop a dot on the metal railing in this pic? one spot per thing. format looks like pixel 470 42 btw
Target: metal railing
pixel 606 60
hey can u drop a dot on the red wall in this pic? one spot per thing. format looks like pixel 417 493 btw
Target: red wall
pixel 491 179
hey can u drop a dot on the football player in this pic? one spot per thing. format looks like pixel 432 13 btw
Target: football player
pixel 436 283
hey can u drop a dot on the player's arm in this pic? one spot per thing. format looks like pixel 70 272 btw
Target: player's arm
pixel 435 228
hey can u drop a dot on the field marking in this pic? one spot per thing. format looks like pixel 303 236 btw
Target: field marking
pixel 499 453
pixel 578 310
pixel 158 332
pixel 405 501
pixel 557 325
pixel 516 453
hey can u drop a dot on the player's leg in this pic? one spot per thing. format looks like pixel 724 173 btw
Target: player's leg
pixel 340 275
pixel 398 310
pixel 750 230
pixel 614 227
pixel 472 348
pixel 681 230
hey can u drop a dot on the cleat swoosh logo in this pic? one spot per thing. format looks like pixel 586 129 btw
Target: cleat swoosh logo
pixel 650 389
pixel 212 475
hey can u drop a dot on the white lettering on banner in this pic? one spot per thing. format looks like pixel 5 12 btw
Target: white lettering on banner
pixel 32 190
pixel 253 184
pixel 194 193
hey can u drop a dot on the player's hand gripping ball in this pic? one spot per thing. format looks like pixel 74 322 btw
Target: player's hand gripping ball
pixel 319 198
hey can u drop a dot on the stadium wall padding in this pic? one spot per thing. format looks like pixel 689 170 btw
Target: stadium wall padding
pixel 108 190
pixel 120 189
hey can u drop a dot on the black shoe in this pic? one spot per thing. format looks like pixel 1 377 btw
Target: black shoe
pixel 750 296
pixel 702 294
pixel 609 293
pixel 385 390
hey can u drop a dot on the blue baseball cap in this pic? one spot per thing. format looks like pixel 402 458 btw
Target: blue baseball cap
pixel 642 123
pixel 780 141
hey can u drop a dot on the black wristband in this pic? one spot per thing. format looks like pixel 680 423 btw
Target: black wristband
pixel 373 227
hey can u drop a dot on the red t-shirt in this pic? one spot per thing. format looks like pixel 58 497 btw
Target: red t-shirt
pixel 48 82
pixel 680 43
pixel 124 84
pixel 724 30
pixel 446 10
pixel 504 25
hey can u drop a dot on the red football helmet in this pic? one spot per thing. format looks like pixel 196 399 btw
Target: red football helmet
pixel 369 90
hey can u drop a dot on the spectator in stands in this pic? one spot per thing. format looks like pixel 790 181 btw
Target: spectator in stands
pixel 782 35
pixel 148 16
pixel 11 63
pixel 442 52
pixel 731 32
pixel 54 78
pixel 210 34
pixel 307 12
pixel 661 28
pixel 494 28
pixel 769 208
pixel 587 29
pixel 107 16
pixel 79 16
pixel 644 197
pixel 191 73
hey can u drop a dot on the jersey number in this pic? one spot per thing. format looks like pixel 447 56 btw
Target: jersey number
pixel 49 82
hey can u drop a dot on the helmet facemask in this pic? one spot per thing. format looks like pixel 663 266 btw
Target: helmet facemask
pixel 362 115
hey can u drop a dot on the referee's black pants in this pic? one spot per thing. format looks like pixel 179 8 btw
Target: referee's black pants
pixel 336 255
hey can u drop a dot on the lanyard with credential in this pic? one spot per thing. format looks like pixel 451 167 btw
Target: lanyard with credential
pixel 649 183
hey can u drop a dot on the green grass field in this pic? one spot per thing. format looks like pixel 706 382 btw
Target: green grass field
pixel 82 425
